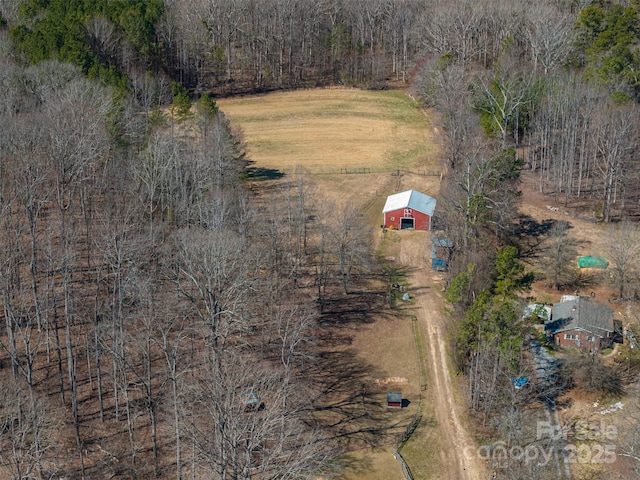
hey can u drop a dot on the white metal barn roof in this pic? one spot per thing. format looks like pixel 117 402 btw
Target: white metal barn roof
pixel 410 199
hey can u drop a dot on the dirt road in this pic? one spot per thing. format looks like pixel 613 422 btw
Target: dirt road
pixel 457 447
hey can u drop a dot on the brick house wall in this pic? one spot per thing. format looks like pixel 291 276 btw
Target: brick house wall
pixel 579 339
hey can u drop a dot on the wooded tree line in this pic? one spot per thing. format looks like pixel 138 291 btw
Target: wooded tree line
pixel 139 272
pixel 571 126
pixel 552 96
pixel 519 112
pixel 555 80
pixel 223 46
pixel 231 46
pixel 158 320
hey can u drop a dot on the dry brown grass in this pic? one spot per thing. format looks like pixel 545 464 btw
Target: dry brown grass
pixel 321 132
pixel 327 129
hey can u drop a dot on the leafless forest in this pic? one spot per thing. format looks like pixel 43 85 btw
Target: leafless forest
pixel 160 316
pixel 153 321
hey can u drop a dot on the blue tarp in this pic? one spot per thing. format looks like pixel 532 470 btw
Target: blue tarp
pixel 519 382
pixel 438 264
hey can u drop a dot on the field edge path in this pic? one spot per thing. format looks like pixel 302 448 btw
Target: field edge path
pixel 457 445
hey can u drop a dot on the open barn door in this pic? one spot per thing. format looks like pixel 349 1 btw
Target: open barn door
pixel 407 222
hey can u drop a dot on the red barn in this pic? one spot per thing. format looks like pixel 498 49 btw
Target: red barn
pixel 410 209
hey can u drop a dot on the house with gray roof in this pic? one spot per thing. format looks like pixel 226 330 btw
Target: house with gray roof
pixel 581 323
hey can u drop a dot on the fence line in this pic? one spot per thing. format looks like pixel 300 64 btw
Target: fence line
pixel 429 173
pixel 410 429
pixel 403 464
pixel 415 421
pixel 355 170
pixel 363 170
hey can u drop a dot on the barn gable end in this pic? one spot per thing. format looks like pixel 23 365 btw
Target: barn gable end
pixel 410 209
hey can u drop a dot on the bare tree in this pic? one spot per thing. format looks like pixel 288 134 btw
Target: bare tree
pixel 248 421
pixel 77 141
pixel 590 372
pixel 614 141
pixel 226 436
pixel 446 86
pixel 214 272
pixel 172 335
pixel 452 30
pixel 562 130
pixel 550 34
pixel 623 248
pixel 8 278
pixel 27 431
pixel 558 255
pixel 224 21
pixel 143 367
pixel 105 39
pixel 630 445
pixel 26 190
pixel 503 99
pixel 152 174
pixel 402 17
pixel 349 232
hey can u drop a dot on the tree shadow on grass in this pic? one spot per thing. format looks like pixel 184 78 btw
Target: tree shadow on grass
pixel 355 308
pixel 391 283
pixel 352 466
pixel 396 273
pixel 347 404
pixel 531 235
pixel 261 173
pixel 581 280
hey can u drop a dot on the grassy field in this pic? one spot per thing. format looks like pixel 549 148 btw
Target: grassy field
pixel 326 130
pixel 322 132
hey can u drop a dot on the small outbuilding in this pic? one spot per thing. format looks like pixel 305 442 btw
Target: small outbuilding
pixel 410 209
pixel 394 400
pixel 251 402
pixel 441 253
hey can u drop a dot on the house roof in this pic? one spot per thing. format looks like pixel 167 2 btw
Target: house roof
pixel 394 397
pixel 410 199
pixel 539 309
pixel 442 242
pixel 581 314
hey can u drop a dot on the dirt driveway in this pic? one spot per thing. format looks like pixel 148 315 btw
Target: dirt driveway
pixel 455 447
pixel 324 131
